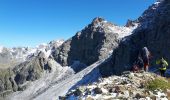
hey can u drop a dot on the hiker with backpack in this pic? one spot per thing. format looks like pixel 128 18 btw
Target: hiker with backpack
pixel 145 55
pixel 163 64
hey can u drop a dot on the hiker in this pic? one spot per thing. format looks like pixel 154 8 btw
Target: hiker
pixel 138 65
pixel 163 64
pixel 145 54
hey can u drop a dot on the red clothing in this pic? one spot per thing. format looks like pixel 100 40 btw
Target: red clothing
pixel 146 66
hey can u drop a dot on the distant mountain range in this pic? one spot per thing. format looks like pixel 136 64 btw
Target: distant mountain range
pixel 15 55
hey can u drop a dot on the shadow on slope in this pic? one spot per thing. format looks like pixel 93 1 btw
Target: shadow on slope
pixel 91 77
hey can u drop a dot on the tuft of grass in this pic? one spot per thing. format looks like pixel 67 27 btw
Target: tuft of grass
pixel 158 83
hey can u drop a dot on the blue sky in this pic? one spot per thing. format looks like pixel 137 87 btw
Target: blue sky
pixel 31 22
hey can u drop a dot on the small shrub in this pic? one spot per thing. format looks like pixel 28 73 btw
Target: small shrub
pixel 158 84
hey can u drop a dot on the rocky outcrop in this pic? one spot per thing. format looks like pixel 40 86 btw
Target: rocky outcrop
pixel 7 83
pixel 15 80
pixel 129 86
pixel 93 43
pixel 153 32
pixel 131 23
pixel 31 70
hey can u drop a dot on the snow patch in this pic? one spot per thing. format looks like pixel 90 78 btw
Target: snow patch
pixel 1 49
pixel 22 54
pixel 61 88
pixel 48 80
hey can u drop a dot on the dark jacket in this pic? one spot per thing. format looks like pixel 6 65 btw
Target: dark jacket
pixel 140 62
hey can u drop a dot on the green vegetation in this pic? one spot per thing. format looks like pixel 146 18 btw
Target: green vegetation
pixel 158 83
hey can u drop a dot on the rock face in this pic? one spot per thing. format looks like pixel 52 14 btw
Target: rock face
pixel 129 86
pixel 31 70
pixel 153 32
pixel 7 84
pixel 93 43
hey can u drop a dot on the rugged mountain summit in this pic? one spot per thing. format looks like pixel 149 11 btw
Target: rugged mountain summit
pixel 152 32
pixel 94 42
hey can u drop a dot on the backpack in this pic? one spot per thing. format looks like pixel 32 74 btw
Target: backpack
pixel 140 63
pixel 163 64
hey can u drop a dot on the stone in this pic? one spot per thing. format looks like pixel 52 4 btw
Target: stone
pixel 126 94
pixel 138 96
pixel 168 94
pixel 62 98
pixel 97 90
pixel 119 89
pixel 153 97
pixel 78 92
pixel 89 98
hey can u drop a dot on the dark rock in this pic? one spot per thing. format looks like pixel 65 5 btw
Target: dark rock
pixel 21 88
pixel 62 98
pixel 31 70
pixel 130 23
pixel 97 90
pixel 140 95
pixel 117 89
pixel 78 92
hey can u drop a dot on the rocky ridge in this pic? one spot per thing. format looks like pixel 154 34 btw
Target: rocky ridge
pixel 128 86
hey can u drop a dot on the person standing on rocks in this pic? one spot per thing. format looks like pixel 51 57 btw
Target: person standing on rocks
pixel 145 55
pixel 163 64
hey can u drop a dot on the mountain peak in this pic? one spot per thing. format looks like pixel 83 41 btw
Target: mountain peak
pixel 98 20
pixel 130 23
